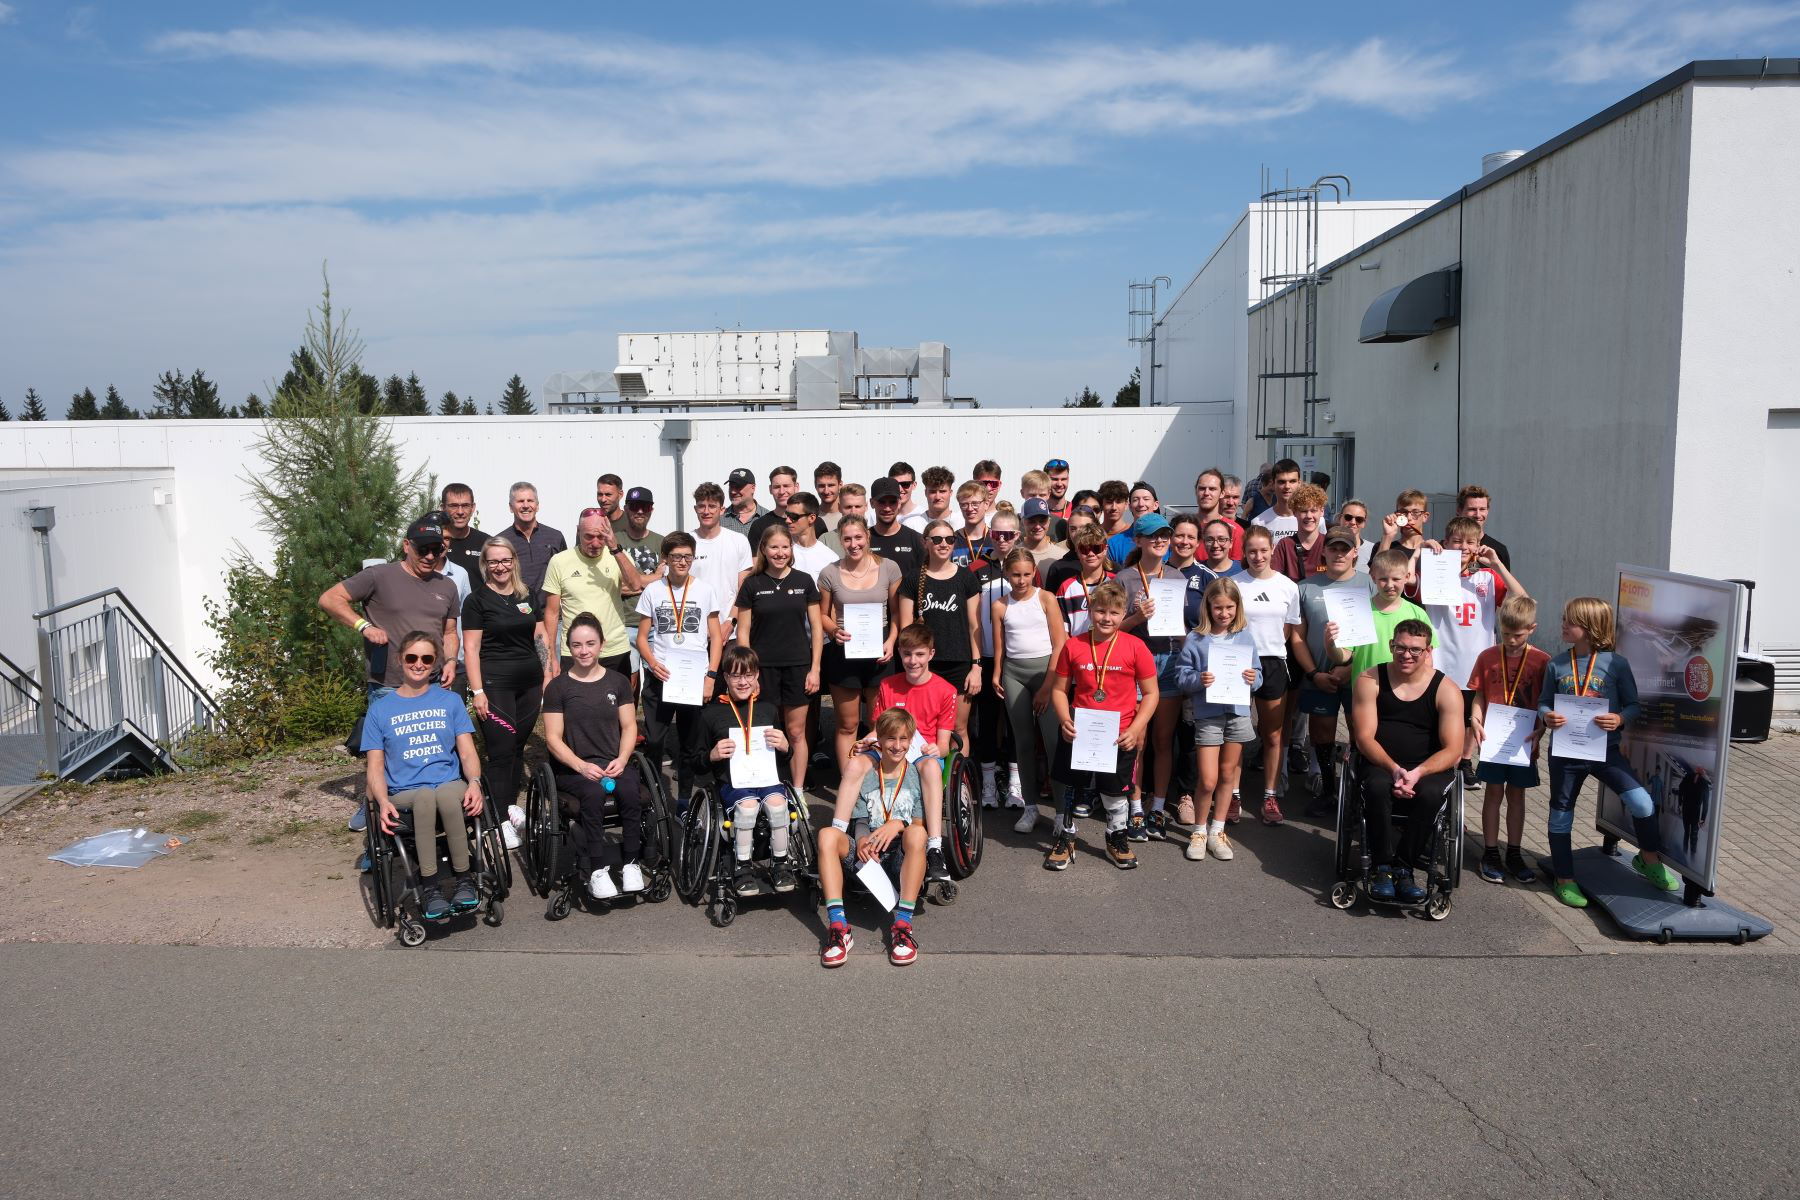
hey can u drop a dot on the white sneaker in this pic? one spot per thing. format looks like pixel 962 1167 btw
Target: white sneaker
pixel 1196 847
pixel 990 794
pixel 509 835
pixel 515 816
pixel 1219 846
pixel 1027 820
pixel 631 878
pixel 1015 796
pixel 601 886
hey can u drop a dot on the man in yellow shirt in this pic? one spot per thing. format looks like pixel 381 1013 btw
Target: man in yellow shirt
pixel 592 576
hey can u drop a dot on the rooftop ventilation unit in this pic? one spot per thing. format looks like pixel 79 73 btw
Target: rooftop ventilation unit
pixel 1415 309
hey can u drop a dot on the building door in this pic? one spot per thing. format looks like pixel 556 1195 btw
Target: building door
pixel 1333 457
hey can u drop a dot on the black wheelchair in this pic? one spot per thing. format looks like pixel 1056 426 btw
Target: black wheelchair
pixel 393 876
pixel 964 837
pixel 1355 868
pixel 705 865
pixel 548 850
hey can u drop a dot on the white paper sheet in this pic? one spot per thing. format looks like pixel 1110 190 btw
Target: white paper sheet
pixel 867 630
pixel 917 748
pixel 754 766
pixel 1347 606
pixel 686 683
pixel 1096 745
pixel 1580 737
pixel 1170 598
pixel 878 883
pixel 1228 661
pixel 1506 735
pixel 1440 577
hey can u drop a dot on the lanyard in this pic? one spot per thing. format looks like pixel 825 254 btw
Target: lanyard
pixel 887 809
pixel 743 721
pixel 1523 658
pixel 681 604
pixel 1581 683
pixel 970 547
pixel 1101 668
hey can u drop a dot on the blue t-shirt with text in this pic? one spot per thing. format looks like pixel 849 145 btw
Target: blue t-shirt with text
pixel 417 735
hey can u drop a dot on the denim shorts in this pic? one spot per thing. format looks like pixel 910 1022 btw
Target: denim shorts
pixel 1226 727
pixel 1315 703
pixel 1506 773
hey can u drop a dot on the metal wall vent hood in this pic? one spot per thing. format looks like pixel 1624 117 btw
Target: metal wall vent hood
pixel 1416 309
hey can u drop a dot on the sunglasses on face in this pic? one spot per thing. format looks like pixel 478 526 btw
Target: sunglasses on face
pixel 940 539
pixel 796 516
pixel 1002 535
pixel 431 550
pixel 423 659
pixel 992 485
pixel 1091 550
pixel 1347 519
pixel 904 485
pixel 639 508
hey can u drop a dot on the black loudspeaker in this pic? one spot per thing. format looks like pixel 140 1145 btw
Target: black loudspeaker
pixel 1753 700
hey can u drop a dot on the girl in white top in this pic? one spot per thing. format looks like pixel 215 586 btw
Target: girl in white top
pixel 1031 636
pixel 1271 604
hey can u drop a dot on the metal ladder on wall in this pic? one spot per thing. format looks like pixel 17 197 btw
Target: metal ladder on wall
pixel 118 699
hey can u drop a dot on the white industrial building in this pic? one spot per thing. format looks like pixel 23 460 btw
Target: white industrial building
pixel 1603 331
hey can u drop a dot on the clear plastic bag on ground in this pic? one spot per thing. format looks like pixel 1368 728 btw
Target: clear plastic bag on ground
pixel 116 848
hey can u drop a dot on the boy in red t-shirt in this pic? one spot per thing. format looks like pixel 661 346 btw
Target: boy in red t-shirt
pixel 1510 673
pixel 1111 671
pixel 931 702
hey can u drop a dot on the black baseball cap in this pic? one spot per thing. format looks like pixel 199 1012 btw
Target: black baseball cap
pixel 427 529
pixel 740 477
pixel 884 489
pixel 639 497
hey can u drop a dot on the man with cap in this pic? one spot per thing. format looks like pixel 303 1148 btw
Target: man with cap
pixel 397 599
pixel 890 538
pixel 741 509
pixel 1037 516
pixel 1324 672
pixel 636 539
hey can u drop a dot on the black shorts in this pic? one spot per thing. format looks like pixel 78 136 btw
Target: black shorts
pixel 785 687
pixel 853 674
pixel 1115 784
pixel 1274 678
pixel 956 674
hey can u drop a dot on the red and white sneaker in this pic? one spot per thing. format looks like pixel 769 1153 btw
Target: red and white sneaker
pixel 902 948
pixel 1271 809
pixel 838 942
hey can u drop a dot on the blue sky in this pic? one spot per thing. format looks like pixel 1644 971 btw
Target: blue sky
pixel 501 194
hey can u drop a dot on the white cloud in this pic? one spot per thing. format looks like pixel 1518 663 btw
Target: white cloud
pixel 7 12
pixel 1639 40
pixel 516 113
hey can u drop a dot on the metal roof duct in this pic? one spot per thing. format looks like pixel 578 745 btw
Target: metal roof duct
pixel 1415 309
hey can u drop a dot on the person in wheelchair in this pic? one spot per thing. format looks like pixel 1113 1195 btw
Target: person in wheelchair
pixel 420 748
pixel 740 708
pixel 1408 728
pixel 590 729
pixel 931 700
pixel 875 817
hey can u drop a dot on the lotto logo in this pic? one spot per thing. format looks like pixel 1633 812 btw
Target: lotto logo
pixel 1698 677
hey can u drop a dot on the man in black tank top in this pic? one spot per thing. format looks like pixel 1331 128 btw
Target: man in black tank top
pixel 1408 727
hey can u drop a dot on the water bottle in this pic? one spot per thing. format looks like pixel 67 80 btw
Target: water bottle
pixel 607 785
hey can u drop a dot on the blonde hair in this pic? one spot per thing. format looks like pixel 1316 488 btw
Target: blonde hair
pixel 1594 617
pixel 972 488
pixel 895 723
pixel 1518 612
pixel 1411 496
pixel 1031 479
pixel 519 590
pixel 761 562
pixel 1229 590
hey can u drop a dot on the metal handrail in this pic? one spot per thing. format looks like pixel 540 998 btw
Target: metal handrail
pixel 31 689
pixel 170 657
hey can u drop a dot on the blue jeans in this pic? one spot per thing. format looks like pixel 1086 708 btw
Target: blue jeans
pixel 1566 778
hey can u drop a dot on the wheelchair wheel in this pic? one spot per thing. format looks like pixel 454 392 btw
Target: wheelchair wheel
pixel 658 830
pixel 1438 906
pixel 543 828
pixel 942 893
pixel 560 903
pixel 381 881
pixel 694 850
pixel 411 932
pixel 495 914
pixel 1343 894
pixel 962 819
pixel 803 846
pixel 496 862
pixel 1348 805
pixel 723 911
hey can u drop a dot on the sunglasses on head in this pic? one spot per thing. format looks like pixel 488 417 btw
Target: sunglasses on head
pixel 940 539
pixel 1057 464
pixel 426 659
pixel 593 512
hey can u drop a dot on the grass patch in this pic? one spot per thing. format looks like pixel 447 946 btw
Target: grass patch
pixel 247 786
pixel 195 819
pixel 289 829
pixel 337 876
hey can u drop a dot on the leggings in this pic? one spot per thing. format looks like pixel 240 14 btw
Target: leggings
pixel 987 720
pixel 593 849
pixel 1023 677
pixel 427 805
pixel 514 695
pixel 674 729
pixel 1566 778
pixel 1379 798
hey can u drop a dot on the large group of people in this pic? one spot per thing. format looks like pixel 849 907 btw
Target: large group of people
pixel 1199 641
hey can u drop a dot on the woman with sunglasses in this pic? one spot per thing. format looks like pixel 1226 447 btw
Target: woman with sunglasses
pixel 1088 544
pixel 590 730
pixel 778 617
pixel 943 596
pixel 1354 514
pixel 988 713
pixel 859 577
pixel 503 629
pixel 1271 604
pixel 420 748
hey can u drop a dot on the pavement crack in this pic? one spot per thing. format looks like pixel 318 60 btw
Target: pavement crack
pixel 1491 1133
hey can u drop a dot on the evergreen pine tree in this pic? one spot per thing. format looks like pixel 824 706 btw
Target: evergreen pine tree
pixel 367 390
pixel 332 490
pixel 83 406
pixel 490 410
pixel 1130 395
pixel 173 396
pixel 302 374
pixel 468 408
pixel 4 414
pixel 254 408
pixel 393 396
pixel 418 404
pixel 515 401
pixel 34 407
pixel 203 398
pixel 449 405
pixel 115 408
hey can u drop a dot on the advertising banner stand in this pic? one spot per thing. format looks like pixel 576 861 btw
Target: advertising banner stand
pixel 1679 633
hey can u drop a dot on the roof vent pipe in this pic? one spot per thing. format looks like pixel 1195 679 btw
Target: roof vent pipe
pixel 1499 158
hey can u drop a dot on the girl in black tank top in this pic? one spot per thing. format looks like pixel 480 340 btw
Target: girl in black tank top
pixel 1407 729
